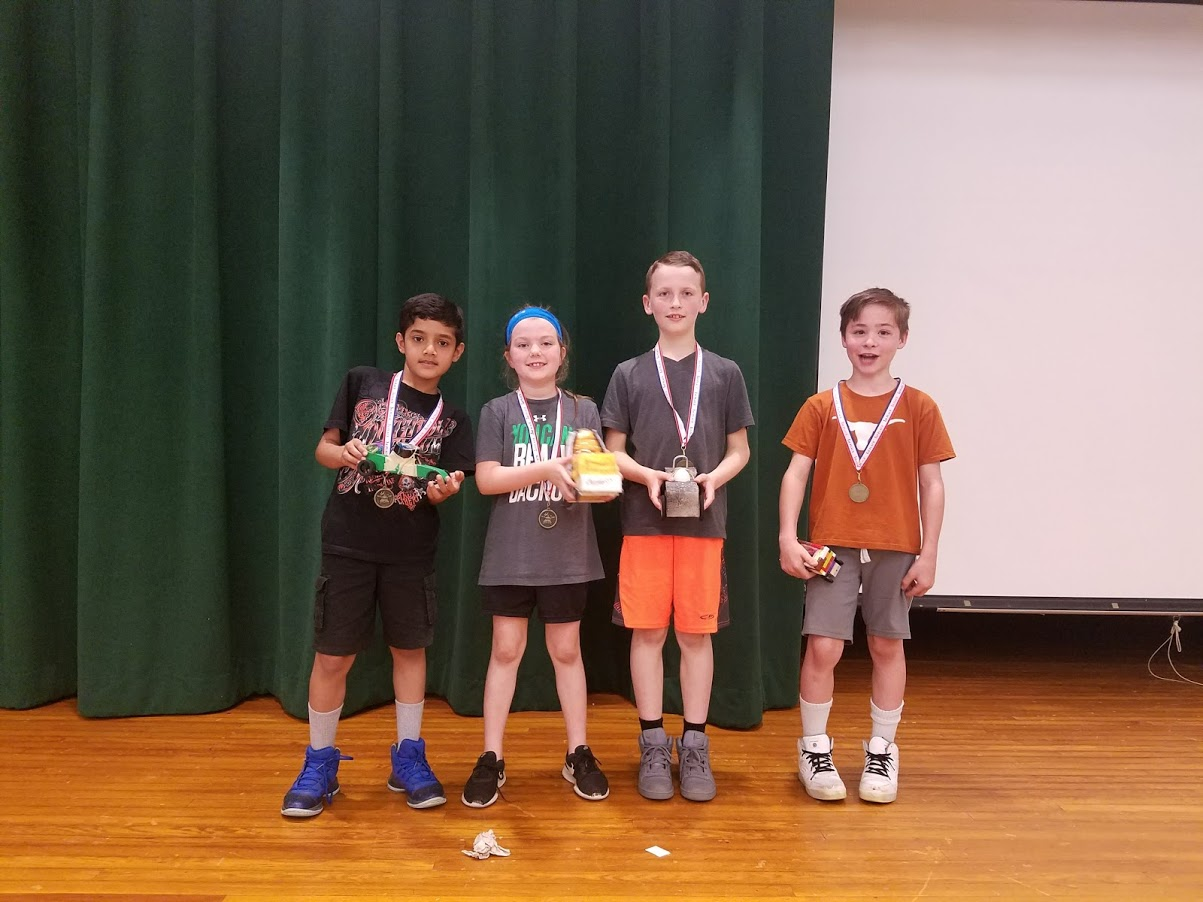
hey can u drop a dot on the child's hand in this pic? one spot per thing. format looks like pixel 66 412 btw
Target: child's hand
pixel 920 578
pixel 706 481
pixel 558 471
pixel 439 489
pixel 796 560
pixel 353 452
pixel 653 479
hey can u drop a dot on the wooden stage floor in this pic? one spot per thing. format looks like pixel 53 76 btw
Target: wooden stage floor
pixel 1061 775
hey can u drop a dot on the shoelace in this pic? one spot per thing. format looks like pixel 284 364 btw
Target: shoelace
pixel 878 765
pixel 657 756
pixel 692 760
pixel 585 764
pixel 313 779
pixel 485 772
pixel 819 762
pixel 411 768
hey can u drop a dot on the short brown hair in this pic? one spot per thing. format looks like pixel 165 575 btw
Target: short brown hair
pixel 675 258
pixel 852 307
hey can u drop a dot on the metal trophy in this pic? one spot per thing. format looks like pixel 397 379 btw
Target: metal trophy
pixel 680 496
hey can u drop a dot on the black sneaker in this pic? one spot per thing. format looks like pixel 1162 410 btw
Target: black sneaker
pixel 487 778
pixel 581 770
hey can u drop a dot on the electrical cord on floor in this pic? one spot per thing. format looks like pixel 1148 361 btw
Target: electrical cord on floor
pixel 1172 641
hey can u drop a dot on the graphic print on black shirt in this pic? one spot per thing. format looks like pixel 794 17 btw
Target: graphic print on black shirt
pixel 368 422
pixel 407 532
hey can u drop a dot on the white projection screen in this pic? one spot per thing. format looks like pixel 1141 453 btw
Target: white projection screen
pixel 1029 175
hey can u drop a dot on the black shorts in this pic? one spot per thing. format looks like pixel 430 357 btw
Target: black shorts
pixel 556 604
pixel 349 591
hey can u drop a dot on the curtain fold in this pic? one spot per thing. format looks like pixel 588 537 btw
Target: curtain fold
pixel 210 210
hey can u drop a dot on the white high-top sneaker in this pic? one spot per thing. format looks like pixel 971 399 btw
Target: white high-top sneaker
pixel 879 782
pixel 817 771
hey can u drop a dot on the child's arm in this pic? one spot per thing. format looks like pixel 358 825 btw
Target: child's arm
pixel 922 575
pixel 737 457
pixel 494 479
pixel 616 444
pixel 333 454
pixel 794 558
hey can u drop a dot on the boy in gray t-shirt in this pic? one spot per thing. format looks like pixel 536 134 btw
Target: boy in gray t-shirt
pixel 676 401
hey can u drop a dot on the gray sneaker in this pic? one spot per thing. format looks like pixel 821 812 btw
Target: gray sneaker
pixel 693 763
pixel 655 764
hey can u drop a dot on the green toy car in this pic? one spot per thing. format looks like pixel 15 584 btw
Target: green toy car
pixel 403 461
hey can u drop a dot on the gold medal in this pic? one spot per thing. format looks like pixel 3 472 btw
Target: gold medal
pixel 548 518
pixel 384 499
pixel 858 492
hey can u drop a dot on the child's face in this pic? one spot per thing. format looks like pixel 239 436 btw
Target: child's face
pixel 872 340
pixel 429 348
pixel 675 298
pixel 535 353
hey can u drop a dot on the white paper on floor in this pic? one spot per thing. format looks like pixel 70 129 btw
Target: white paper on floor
pixel 485 845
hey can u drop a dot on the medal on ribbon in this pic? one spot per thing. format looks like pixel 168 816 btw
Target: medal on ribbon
pixel 679 495
pixel 400 457
pixel 547 517
pixel 858 491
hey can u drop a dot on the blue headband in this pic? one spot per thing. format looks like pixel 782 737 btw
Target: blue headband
pixel 532 313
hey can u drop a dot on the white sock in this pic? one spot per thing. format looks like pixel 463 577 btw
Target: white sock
pixel 885 723
pixel 323 725
pixel 409 720
pixel 814 717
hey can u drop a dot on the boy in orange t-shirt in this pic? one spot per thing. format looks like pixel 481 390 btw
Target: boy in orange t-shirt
pixel 878 502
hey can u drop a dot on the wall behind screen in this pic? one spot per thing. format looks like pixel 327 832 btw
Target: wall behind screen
pixel 1029 175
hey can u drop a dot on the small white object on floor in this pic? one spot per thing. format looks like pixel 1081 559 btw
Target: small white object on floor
pixel 485 845
pixel 657 851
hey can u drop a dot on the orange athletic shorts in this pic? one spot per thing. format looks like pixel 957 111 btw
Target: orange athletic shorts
pixel 677 577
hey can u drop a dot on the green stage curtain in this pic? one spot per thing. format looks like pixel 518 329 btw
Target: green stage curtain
pixel 210 210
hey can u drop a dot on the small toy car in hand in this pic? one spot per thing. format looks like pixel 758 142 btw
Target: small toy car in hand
pixel 403 461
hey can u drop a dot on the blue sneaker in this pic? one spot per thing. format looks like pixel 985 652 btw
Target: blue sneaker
pixel 413 776
pixel 316 783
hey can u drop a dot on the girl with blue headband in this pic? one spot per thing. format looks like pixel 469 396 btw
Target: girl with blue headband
pixel 540 548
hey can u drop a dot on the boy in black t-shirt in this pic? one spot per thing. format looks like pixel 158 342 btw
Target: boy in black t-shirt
pixel 379 534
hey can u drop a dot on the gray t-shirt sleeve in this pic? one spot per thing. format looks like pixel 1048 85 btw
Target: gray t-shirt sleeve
pixel 490 432
pixel 739 407
pixel 616 411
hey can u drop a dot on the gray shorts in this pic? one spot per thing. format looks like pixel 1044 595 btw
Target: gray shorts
pixel 831 607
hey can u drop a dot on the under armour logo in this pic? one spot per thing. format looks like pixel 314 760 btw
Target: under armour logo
pixel 541 419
